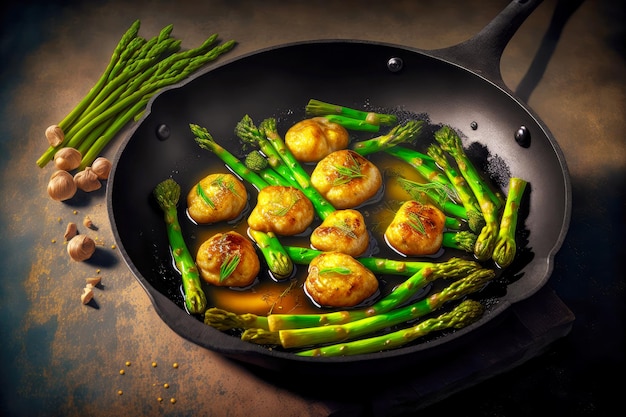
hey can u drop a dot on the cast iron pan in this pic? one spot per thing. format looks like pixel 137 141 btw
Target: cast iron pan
pixel 460 86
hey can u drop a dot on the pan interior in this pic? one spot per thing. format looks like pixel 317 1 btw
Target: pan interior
pixel 278 83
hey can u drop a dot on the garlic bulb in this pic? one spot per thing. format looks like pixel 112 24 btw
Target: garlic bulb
pixel 55 135
pixel 61 186
pixel 81 247
pixel 67 159
pixel 87 180
pixel 102 167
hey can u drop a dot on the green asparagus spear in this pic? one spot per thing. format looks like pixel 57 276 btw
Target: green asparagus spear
pixel 352 124
pixel 271 248
pixel 322 205
pixel 167 194
pixel 462 240
pixel 274 253
pixel 505 248
pixel 205 140
pixel 252 135
pixel 476 221
pixel 304 256
pixel 295 338
pixel 450 142
pixel 442 195
pixel 320 108
pixel 126 39
pixel 403 292
pixel 399 134
pixel 422 163
pixel 225 320
pixel 461 316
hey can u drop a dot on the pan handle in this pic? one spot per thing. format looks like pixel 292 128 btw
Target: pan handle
pixel 482 52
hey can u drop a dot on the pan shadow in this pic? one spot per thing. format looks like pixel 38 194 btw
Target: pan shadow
pixel 562 12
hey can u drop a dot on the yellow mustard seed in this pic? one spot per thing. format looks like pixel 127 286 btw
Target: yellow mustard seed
pixel 160 399
pixel 113 246
pixel 54 241
pixel 154 364
pixel 75 212
pixel 120 392
pixel 175 365
pixel 122 372
pixel 166 385
pixel 173 400
pixel 127 363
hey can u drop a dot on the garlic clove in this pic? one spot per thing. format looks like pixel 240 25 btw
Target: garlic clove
pixel 61 186
pixel 67 158
pixel 102 167
pixel 81 247
pixel 87 180
pixel 87 295
pixel 70 231
pixel 55 135
pixel 93 281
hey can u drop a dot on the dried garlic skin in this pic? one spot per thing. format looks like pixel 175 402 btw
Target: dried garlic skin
pixel 61 186
pixel 81 247
pixel 67 159
pixel 87 180
pixel 102 167
pixel 55 135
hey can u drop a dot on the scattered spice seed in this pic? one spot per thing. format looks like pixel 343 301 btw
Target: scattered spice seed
pixel 160 399
pixel 175 365
pixel 154 364
pixel 173 400
pixel 122 372
pixel 166 385
pixel 127 363
pixel 120 392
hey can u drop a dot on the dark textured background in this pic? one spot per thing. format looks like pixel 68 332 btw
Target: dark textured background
pixel 60 358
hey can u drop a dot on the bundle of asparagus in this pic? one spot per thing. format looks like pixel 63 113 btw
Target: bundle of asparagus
pixel 138 69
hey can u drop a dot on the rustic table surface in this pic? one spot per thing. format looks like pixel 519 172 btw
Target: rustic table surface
pixel 63 358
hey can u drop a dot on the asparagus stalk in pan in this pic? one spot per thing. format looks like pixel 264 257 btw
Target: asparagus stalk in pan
pixel 296 338
pixel 167 194
pixel 419 273
pixel 451 143
pixel 476 221
pixel 277 259
pixel 444 196
pixel 304 256
pixel 505 247
pixel 453 268
pixel 374 119
pixel 399 134
pixel 464 314
pixel 282 160
pixel 422 163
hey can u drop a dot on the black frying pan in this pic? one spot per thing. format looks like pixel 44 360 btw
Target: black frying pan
pixel 460 86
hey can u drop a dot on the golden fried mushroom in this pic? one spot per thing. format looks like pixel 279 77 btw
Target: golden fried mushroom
pixel 338 280
pixel 342 231
pixel 228 260
pixel 310 140
pixel 217 197
pixel 282 210
pixel 416 229
pixel 346 179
